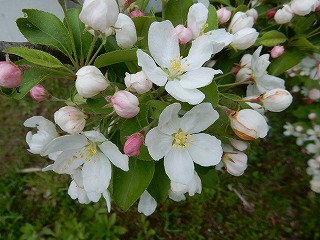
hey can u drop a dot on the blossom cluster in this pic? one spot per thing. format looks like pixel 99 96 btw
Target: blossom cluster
pixel 191 99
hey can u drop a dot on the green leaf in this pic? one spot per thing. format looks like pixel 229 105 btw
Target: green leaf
pixel 117 56
pixel 160 183
pixel 177 11
pixel 304 44
pixel 142 25
pixel 271 38
pixel 209 179
pixel 241 8
pixel 128 186
pixel 96 105
pixel 45 28
pixel 212 20
pixel 225 2
pixel 211 94
pixel 82 40
pixel 157 107
pixel 36 56
pixel 32 77
pixel 286 61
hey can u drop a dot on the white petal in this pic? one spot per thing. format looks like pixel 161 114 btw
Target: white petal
pixel 94 196
pixel 96 174
pixel 195 185
pixel 158 144
pixel 197 17
pixel 221 36
pixel 198 78
pixel 66 142
pixel 68 161
pixel 199 118
pixel 179 166
pixel 169 122
pixel 176 197
pixel 47 168
pixel 115 156
pixel 205 150
pixel 163 43
pixel 73 190
pixel 268 82
pixel 191 96
pixel 154 73
pixel 147 205
pixel 106 196
pixel 95 136
pixel 200 52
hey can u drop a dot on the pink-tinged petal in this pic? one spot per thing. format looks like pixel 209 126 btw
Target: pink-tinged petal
pixel 205 149
pixel 68 161
pixel 198 78
pixel 169 122
pixel 200 52
pixel 191 96
pixel 149 67
pixel 158 144
pixel 115 156
pixel 96 173
pixel 163 43
pixel 179 166
pixel 199 118
pixel 67 142
pixel 197 17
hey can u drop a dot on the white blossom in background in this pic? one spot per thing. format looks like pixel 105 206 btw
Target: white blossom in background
pixel 178 140
pixel 147 204
pixel 46 132
pixel 314 133
pixel 180 76
pixel 284 15
pixel 70 119
pixel 304 7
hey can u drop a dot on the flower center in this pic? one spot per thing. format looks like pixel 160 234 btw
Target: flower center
pixel 89 152
pixel 181 140
pixel 203 28
pixel 175 68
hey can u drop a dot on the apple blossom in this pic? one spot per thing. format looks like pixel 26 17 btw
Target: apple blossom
pixel 90 81
pixel 315 184
pixel 235 162
pixel 147 204
pixel 46 132
pixel 138 82
pixel 304 7
pixel 125 104
pixel 180 76
pixel 184 34
pixel 126 34
pixel 248 124
pixel 178 140
pixel 284 15
pixel 238 144
pixel 276 100
pixel 240 21
pixel 70 119
pixel 39 93
pixel 223 15
pixel 246 60
pixel 277 51
pixel 133 144
pixel 245 38
pixel 10 75
pixel 100 15
pixel 253 13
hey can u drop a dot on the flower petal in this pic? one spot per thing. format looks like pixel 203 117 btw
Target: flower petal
pixel 197 17
pixel 95 136
pixel 115 156
pixel 179 166
pixel 169 122
pixel 68 161
pixel 147 205
pixel 198 78
pixel 106 196
pixel 158 144
pixel 64 143
pixel 149 67
pixel 199 118
pixel 96 174
pixel 205 149
pixel 221 36
pixel 163 43
pixel 191 96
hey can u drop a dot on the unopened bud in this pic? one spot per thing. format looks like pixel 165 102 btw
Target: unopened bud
pixel 136 13
pixel 276 100
pixel 10 75
pixel 271 13
pixel 133 144
pixel 223 15
pixel 312 116
pixel 235 162
pixel 283 15
pixel 125 104
pixel 253 13
pixel 39 93
pixel 70 119
pixel 184 34
pixel 277 51
pixel 138 82
pixel 239 145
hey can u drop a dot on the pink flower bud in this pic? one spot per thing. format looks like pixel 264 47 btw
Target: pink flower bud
pixel 125 104
pixel 39 93
pixel 314 94
pixel 136 13
pixel 277 51
pixel 133 144
pixel 235 162
pixel 184 34
pixel 10 75
pixel 70 119
pixel 271 13
pixel 312 116
pixel 223 15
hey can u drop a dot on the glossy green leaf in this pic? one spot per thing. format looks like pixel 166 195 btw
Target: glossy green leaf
pixel 212 20
pixel 36 56
pixel 117 56
pixel 142 26
pixel 209 179
pixel 45 28
pixel 286 61
pixel 271 38
pixel 128 186
pixel 177 11
pixel 211 93
pixel 96 105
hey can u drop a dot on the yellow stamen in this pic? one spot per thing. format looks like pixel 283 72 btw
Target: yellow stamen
pixel 181 140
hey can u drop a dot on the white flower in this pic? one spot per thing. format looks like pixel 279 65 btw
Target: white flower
pixel 138 82
pixel 126 34
pixel 314 133
pixel 180 76
pixel 178 140
pixel 45 134
pixel 304 7
pixel 245 38
pixel 90 81
pixel 240 21
pixel 315 184
pixel 284 15
pixel 91 151
pixel 147 204
pixel 100 15
pixel 314 147
pixel 70 119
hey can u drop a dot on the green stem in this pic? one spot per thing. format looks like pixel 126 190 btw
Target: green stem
pixel 233 84
pixel 96 53
pixel 94 40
